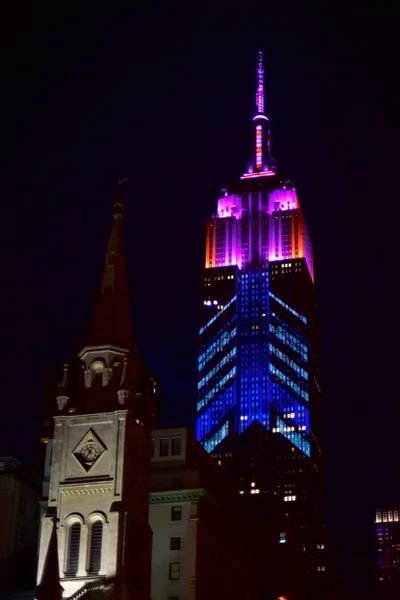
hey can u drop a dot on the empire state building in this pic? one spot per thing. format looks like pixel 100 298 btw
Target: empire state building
pixel 259 397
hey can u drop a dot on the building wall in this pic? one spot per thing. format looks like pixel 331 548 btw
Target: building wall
pixel 226 564
pixel 19 523
pixel 19 505
pixel 164 528
pixel 119 476
pixel 9 510
pixel 217 554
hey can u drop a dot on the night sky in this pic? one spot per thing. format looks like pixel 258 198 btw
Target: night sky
pixel 166 95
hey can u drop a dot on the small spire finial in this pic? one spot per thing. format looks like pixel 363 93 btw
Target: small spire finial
pixel 119 202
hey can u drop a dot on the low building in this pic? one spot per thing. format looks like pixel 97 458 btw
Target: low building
pixel 20 492
pixel 204 543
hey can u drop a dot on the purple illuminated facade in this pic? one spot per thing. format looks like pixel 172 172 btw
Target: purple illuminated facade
pixel 272 219
pixel 267 211
pixel 258 376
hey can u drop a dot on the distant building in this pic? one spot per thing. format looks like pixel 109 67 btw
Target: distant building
pixel 204 546
pixel 20 492
pixel 387 526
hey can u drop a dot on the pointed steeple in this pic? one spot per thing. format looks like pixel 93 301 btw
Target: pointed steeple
pixel 50 587
pixel 111 323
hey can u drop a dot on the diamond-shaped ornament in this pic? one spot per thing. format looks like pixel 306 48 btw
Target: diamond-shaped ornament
pixel 89 450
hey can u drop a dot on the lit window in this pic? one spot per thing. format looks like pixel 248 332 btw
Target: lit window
pixel 282 538
pixel 174 570
pixel 176 513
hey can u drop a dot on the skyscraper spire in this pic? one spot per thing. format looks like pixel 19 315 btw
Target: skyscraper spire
pixel 111 324
pixel 260 86
pixel 261 163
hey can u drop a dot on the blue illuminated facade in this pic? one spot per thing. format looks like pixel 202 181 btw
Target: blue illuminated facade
pixel 253 359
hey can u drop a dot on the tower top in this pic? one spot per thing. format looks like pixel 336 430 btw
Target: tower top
pixel 111 323
pixel 261 163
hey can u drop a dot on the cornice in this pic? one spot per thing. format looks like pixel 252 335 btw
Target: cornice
pixel 191 495
pixel 86 491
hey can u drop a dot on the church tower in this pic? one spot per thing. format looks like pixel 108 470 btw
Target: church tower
pixel 99 481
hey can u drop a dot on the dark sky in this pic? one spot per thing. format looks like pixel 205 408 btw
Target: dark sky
pixel 165 95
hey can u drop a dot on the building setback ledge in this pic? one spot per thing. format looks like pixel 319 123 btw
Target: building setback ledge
pixel 193 495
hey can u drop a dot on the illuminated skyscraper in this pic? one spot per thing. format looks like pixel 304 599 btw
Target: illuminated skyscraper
pixel 257 367
pixel 387 525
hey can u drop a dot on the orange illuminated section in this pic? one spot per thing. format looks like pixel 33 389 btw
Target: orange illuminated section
pixel 210 245
pixel 259 147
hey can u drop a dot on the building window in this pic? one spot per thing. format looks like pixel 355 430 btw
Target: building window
pixel 282 537
pixel 96 543
pixel 164 446
pixel 176 446
pixel 74 541
pixel 174 570
pixel 175 543
pixel 176 513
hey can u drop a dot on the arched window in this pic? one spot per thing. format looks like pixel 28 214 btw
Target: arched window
pixel 74 541
pixel 96 542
